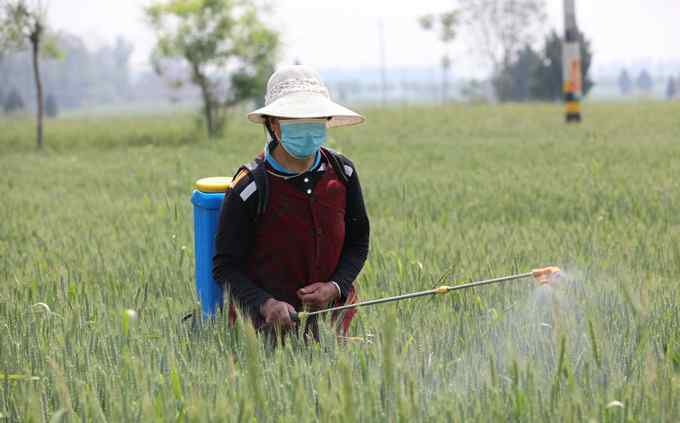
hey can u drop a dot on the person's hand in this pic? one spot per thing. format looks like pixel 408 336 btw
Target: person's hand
pixel 318 295
pixel 277 313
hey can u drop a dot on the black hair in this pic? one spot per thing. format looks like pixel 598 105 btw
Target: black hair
pixel 270 130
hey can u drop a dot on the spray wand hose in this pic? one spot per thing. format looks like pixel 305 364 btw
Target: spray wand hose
pixel 543 276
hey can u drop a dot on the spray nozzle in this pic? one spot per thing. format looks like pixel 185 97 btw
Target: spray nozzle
pixel 546 275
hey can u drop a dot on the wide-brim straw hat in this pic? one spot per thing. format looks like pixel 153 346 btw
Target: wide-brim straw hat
pixel 297 92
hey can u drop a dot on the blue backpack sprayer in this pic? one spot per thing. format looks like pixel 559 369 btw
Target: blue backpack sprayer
pixel 207 199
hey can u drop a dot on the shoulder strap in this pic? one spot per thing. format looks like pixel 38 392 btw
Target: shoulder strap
pixel 257 169
pixel 336 161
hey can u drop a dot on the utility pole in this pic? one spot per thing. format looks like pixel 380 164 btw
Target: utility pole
pixel 383 71
pixel 571 64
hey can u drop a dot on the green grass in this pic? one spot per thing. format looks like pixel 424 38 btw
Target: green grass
pixel 101 222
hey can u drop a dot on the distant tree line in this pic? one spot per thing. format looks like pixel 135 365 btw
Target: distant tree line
pixel 81 77
pixel 644 84
pixel 76 78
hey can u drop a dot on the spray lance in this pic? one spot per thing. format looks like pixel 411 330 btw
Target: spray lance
pixel 542 276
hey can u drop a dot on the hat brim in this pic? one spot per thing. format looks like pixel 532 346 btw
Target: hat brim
pixel 305 105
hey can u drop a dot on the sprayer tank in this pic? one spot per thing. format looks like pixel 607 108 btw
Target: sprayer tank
pixel 207 199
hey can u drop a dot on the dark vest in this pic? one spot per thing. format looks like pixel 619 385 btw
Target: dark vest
pixel 299 238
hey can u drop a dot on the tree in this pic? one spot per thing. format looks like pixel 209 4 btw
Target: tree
pixel 671 88
pixel 3 78
pixel 644 82
pixel 474 91
pixel 51 107
pixel 23 22
pixel 215 37
pixel 445 25
pixel 502 29
pixel 625 83
pixel 257 50
pixel 13 102
pixel 121 53
pixel 521 74
pixel 85 76
pixel 547 78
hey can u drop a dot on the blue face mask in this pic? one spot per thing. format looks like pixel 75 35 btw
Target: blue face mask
pixel 302 138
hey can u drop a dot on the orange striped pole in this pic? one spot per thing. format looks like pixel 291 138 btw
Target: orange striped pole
pixel 571 64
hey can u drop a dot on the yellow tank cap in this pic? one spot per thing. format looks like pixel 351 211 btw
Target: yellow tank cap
pixel 214 184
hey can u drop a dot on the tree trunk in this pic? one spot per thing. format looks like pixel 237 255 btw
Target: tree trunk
pixel 207 100
pixel 445 86
pixel 208 111
pixel 35 42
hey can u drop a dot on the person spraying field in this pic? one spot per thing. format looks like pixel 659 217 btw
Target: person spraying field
pixel 293 232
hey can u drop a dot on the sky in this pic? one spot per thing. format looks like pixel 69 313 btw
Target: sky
pixel 346 34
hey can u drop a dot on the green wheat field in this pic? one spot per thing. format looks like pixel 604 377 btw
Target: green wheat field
pixel 100 223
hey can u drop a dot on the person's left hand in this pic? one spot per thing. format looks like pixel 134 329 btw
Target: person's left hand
pixel 318 295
